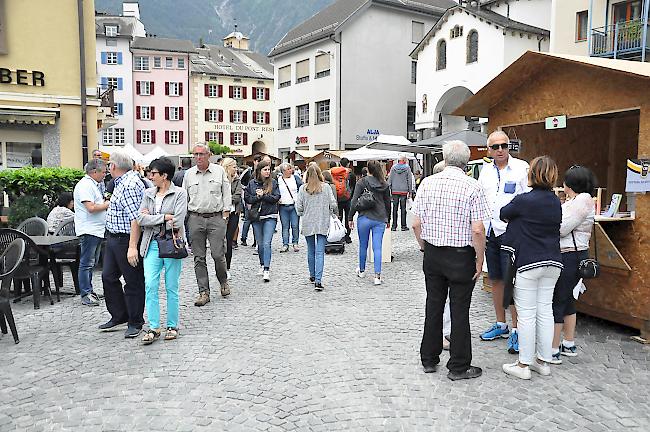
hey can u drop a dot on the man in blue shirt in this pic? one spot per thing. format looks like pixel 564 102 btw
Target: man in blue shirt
pixel 125 303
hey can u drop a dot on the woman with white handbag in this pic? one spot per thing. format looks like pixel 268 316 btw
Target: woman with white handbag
pixel 315 204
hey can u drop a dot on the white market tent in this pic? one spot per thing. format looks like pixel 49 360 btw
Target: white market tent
pixel 367 154
pixel 155 153
pixel 130 150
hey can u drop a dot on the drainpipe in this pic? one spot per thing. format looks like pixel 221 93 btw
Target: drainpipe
pixel 644 41
pixel 82 83
pixel 340 82
pixel 589 31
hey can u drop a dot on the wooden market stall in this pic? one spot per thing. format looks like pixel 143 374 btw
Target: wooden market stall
pixel 302 158
pixel 593 112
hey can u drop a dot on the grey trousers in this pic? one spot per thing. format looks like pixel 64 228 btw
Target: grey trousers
pixel 213 230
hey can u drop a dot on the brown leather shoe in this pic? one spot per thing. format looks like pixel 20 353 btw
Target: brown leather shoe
pixel 202 299
pixel 225 290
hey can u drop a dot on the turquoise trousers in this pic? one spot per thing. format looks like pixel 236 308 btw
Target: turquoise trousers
pixel 153 265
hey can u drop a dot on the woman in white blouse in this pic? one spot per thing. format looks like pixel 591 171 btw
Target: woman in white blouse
pixel 575 233
pixel 289 184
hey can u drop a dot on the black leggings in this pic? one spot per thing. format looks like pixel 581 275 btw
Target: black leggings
pixel 231 228
pixel 564 303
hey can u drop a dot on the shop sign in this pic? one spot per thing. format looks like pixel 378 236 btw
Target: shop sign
pixel 515 145
pixel 370 135
pixel 302 140
pixel 21 77
pixel 637 179
pixel 244 128
pixel 555 122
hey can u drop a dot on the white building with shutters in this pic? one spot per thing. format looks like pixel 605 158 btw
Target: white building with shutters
pixel 114 35
pixel 231 97
pixel 344 75
pixel 465 49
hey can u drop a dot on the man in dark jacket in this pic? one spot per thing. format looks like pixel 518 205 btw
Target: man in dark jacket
pixel 401 185
pixel 186 164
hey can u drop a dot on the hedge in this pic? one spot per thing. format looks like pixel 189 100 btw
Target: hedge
pixel 39 182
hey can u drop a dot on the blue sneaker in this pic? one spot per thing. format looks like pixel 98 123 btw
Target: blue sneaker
pixel 569 352
pixel 556 360
pixel 494 332
pixel 513 343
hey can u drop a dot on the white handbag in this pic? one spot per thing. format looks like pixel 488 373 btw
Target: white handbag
pixel 336 231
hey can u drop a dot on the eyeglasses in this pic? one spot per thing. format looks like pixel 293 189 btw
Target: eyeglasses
pixel 154 172
pixel 199 154
pixel 503 146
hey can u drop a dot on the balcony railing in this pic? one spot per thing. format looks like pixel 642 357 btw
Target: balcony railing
pixel 623 39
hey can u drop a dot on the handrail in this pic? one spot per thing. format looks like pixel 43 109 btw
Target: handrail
pixel 622 37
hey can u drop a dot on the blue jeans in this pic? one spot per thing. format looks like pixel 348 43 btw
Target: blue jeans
pixel 364 227
pixel 246 226
pixel 316 255
pixel 153 265
pixel 289 219
pixel 91 247
pixel 264 230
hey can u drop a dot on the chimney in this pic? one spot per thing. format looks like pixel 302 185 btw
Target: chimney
pixel 131 9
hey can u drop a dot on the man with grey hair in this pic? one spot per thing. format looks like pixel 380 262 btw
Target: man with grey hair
pixel 449 210
pixel 501 179
pixel 400 181
pixel 121 259
pixel 90 220
pixel 208 189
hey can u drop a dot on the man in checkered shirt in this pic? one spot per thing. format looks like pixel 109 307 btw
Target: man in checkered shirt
pixel 449 210
pixel 125 304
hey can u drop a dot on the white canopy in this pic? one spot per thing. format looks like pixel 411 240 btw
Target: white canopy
pixel 155 153
pixel 366 154
pixel 128 149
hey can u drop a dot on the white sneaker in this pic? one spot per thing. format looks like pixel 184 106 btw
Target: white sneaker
pixel 542 369
pixel 516 371
pixel 360 273
pixel 260 271
pixel 377 280
pixel 267 276
pixel 228 274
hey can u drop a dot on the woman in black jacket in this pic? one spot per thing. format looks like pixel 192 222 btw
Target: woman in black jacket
pixel 533 235
pixel 263 194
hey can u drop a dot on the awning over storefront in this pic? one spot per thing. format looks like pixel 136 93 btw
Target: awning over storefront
pixel 17 116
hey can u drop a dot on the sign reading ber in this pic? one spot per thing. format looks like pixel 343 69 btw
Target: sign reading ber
pixel 21 77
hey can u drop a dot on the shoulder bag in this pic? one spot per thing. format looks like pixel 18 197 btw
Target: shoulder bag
pixel 366 200
pixel 170 245
pixel 588 268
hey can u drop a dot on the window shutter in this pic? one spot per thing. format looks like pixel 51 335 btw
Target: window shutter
pixel 105 83
pixel 166 88
pixel 221 138
pixel 232 116
pixel 206 90
pixel 267 94
pixel 138 136
pixel 180 89
pixel 207 136
pixel 254 94
pixel 120 83
pixel 245 115
pixel 120 109
pixel 137 114
pixel 245 139
pixel 230 91
pixel 180 113
pixel 243 92
pixel 151 88
pixel 207 114
pixel 221 115
pixel 153 135
pixel 119 58
pixel 166 137
pixel 220 90
pixel 103 58
pixel 302 69
pixel 322 63
pixel 232 138
pixel 284 74
pixel 137 87
pixel 152 113
pixel 180 137
pixel 267 118
pixel 166 116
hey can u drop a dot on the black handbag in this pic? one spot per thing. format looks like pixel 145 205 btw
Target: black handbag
pixel 588 268
pixel 509 276
pixel 254 212
pixel 366 200
pixel 170 245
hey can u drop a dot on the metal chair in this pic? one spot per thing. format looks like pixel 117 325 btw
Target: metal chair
pixel 66 256
pixel 10 260
pixel 34 226
pixel 34 266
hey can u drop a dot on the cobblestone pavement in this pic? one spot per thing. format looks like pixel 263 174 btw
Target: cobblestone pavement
pixel 279 356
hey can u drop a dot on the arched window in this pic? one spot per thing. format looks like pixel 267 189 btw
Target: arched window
pixel 472 46
pixel 455 32
pixel 441 62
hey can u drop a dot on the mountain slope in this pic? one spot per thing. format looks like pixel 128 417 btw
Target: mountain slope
pixel 265 22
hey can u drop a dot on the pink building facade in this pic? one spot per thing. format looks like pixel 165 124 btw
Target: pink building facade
pixel 161 94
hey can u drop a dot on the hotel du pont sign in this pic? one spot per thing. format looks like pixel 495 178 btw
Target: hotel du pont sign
pixel 244 128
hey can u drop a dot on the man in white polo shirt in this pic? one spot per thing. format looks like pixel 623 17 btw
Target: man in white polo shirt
pixel 90 221
pixel 501 179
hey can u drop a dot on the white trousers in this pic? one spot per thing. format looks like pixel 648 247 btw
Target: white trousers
pixel 534 302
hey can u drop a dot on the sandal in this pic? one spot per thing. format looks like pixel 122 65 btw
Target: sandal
pixel 171 333
pixel 150 336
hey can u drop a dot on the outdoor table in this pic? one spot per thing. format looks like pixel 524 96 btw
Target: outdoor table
pixel 51 244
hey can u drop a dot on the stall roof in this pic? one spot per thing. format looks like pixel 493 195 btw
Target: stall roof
pixel 433 144
pixel 531 64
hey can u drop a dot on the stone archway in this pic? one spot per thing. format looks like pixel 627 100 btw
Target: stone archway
pixel 448 102
pixel 258 147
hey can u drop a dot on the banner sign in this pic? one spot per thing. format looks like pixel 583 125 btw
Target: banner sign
pixel 637 179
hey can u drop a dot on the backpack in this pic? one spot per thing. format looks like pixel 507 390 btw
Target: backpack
pixel 342 184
